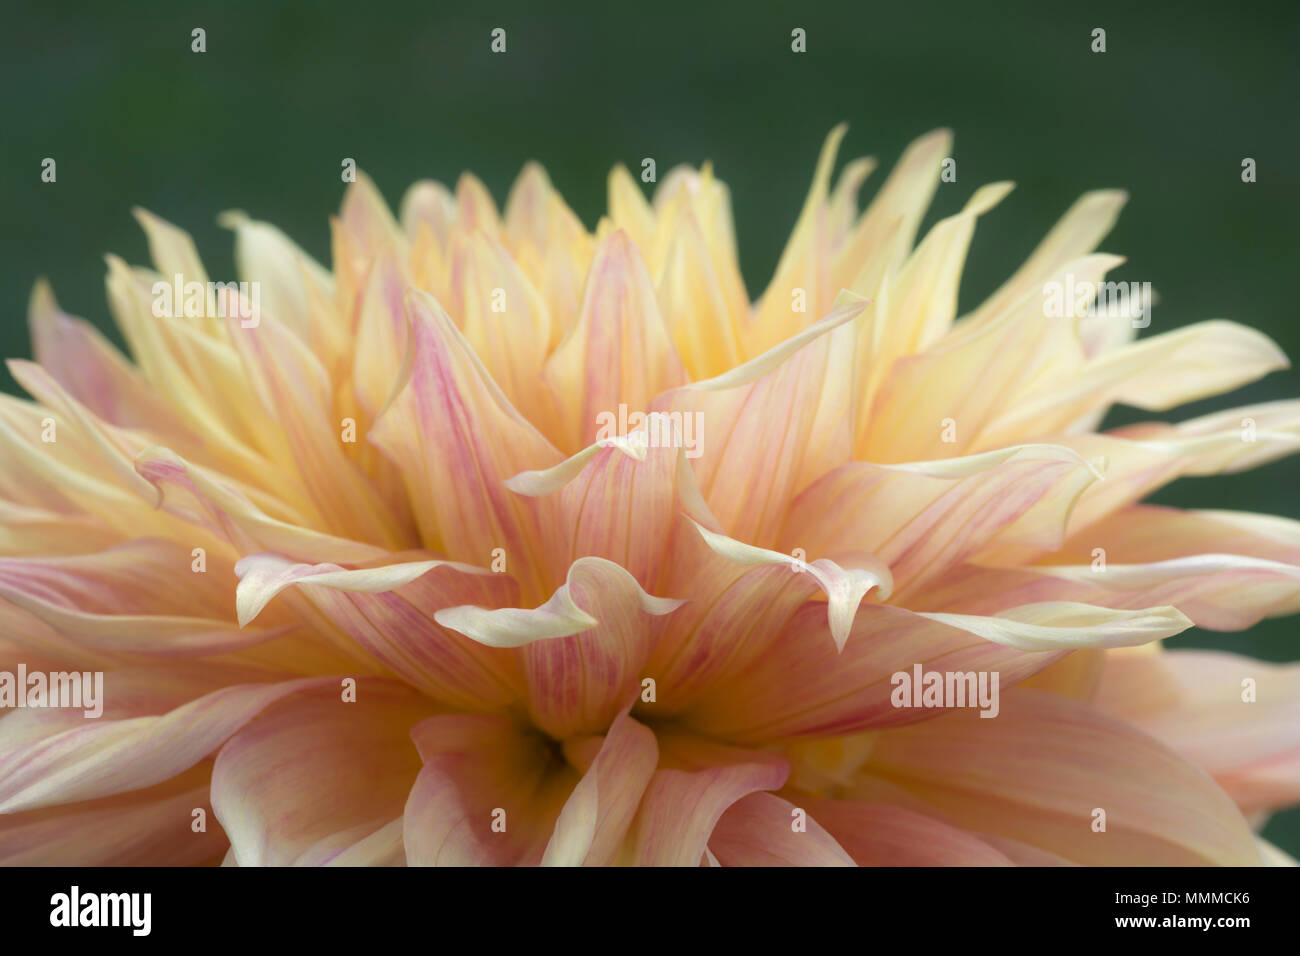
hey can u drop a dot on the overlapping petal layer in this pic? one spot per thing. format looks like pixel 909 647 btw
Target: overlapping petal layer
pixel 504 542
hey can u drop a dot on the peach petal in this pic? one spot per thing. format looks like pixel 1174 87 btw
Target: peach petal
pixel 758 830
pixel 313 776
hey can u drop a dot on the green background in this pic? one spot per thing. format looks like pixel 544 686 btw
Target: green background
pixel 262 120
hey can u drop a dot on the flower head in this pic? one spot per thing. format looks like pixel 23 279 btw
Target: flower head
pixel 505 542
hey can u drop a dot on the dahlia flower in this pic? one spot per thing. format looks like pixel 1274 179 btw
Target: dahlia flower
pixel 504 542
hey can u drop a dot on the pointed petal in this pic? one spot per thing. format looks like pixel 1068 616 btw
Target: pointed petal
pixel 596 816
pixel 921 518
pixel 141 597
pixel 747 474
pixel 388 611
pixel 102 757
pixel 619 352
pixel 456 439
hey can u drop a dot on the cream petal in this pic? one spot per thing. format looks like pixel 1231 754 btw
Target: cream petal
pixel 582 650
pixel 202 498
pixel 80 359
pixel 97 758
pixel 1155 373
pixel 923 297
pixel 938 403
pixel 596 816
pixel 801 686
pixel 504 319
pixel 803 265
pixel 1079 231
pixel 1226 570
pixel 296 392
pixel 388 612
pixel 290 283
pixel 844 587
pixel 365 214
pixel 431 204
pixel 888 226
pixel 139 598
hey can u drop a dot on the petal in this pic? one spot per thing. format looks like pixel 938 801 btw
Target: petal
pixel 897 209
pixel 456 439
pixel 1079 231
pixel 582 651
pixel 488 794
pixel 431 204
pixel 801 686
pixel 803 264
pixel 291 284
pixel 877 834
pixel 747 474
pixel 1160 372
pixel 1038 773
pixel 388 612
pixel 703 316
pixel 314 775
pixel 938 403
pixel 80 359
pixel 922 301
pixel 619 352
pixel 151 827
pixel 696 784
pixel 296 392
pixel 1225 571
pixel 1196 703
pixel 204 498
pixel 504 319
pixel 102 757
pixel 141 598
pixel 596 817
pixel 758 830
pixel 921 518
pixel 619 498
pixel 844 587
